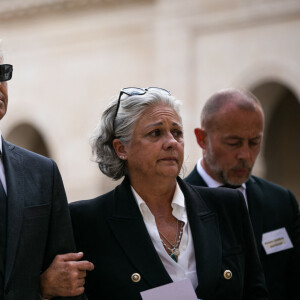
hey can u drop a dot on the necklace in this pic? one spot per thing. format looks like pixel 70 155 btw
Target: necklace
pixel 174 249
pixel 175 236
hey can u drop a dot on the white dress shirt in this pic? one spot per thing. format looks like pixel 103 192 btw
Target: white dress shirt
pixel 2 173
pixel 186 265
pixel 213 183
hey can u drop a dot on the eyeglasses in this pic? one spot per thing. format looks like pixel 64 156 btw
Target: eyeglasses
pixel 5 72
pixel 131 91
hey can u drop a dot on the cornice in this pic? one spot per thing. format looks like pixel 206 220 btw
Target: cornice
pixel 248 15
pixel 17 8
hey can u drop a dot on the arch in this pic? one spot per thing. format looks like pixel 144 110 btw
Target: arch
pixel 27 136
pixel 281 146
pixel 257 73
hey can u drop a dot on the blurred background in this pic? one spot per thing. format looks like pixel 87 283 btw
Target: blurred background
pixel 71 56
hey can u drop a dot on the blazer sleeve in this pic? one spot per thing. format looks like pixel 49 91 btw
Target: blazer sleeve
pixel 60 238
pixel 294 263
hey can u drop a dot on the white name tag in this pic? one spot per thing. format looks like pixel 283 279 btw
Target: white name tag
pixel 276 240
pixel 178 290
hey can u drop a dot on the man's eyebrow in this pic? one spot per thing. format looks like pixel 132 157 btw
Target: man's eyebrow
pixel 235 137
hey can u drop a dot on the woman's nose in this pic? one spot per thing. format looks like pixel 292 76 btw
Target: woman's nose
pixel 170 141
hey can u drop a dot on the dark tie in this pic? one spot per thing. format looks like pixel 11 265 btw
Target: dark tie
pixel 3 225
pixel 230 186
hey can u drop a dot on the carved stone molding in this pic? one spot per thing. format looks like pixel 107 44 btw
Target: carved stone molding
pixel 17 8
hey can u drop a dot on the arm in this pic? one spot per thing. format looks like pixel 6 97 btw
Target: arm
pixel 294 263
pixel 63 275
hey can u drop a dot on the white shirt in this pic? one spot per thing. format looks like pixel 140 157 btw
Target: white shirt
pixel 2 173
pixel 186 265
pixel 213 183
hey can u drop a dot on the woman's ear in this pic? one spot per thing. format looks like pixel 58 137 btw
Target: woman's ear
pixel 201 136
pixel 120 149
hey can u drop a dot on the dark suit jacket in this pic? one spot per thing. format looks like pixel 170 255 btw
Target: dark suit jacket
pixel 39 225
pixel 272 207
pixel 111 232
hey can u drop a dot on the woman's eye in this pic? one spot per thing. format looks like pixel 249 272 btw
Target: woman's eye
pixel 177 133
pixel 155 132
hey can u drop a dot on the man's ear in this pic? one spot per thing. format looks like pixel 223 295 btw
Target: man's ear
pixel 120 149
pixel 201 137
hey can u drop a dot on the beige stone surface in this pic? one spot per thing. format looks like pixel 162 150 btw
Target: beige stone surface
pixel 71 57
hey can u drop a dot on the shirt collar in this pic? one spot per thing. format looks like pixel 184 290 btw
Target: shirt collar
pixel 178 203
pixel 208 179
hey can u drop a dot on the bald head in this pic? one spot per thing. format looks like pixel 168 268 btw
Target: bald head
pixel 228 100
pixel 232 124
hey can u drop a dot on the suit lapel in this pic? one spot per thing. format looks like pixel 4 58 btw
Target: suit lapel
pixel 129 229
pixel 254 196
pixel 15 195
pixel 139 248
pixel 195 178
pixel 207 241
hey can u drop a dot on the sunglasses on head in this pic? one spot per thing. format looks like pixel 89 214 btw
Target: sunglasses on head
pixel 131 91
pixel 5 72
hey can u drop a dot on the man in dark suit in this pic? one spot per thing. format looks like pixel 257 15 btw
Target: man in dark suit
pixel 35 224
pixel 232 124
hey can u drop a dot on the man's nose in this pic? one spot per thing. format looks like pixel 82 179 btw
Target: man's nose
pixel 244 152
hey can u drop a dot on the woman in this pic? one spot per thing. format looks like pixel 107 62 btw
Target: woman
pixel 153 228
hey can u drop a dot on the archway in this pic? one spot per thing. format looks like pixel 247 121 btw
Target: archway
pixel 27 136
pixel 281 145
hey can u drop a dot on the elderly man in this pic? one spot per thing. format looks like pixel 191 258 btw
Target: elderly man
pixel 232 124
pixel 35 227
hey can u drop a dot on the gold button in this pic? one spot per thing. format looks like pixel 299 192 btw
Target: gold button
pixel 135 277
pixel 227 274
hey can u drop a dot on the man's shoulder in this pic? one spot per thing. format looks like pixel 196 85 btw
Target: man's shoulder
pixel 195 178
pixel 272 195
pixel 265 184
pixel 26 154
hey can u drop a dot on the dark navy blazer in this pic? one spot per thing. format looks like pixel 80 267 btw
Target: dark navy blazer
pixel 111 232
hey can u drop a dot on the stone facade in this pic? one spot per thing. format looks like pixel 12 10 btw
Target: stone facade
pixel 71 56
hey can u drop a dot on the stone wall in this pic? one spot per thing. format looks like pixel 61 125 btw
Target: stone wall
pixel 71 57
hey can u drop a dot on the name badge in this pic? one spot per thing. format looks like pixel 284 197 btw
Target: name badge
pixel 276 240
pixel 177 290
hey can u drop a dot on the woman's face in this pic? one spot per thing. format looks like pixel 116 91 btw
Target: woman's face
pixel 157 147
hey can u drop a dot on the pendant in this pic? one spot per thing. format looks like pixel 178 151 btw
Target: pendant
pixel 174 257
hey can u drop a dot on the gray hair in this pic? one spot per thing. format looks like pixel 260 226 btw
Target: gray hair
pixel 243 99
pixel 130 110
